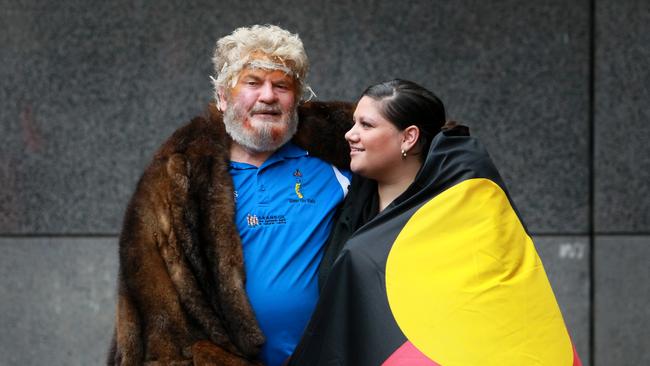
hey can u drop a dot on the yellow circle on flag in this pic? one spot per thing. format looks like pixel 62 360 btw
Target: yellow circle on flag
pixel 466 286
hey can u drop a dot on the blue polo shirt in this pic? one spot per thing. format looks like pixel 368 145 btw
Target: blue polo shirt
pixel 284 215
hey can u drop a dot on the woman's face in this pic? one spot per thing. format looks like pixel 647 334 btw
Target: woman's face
pixel 375 143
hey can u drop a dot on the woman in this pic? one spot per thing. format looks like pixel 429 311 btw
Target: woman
pixel 428 263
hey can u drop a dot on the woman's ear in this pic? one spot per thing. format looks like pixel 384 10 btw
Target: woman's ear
pixel 410 136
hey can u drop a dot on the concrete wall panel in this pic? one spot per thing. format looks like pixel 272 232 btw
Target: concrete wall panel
pixel 622 112
pixel 622 294
pixel 566 261
pixel 58 300
pixel 91 89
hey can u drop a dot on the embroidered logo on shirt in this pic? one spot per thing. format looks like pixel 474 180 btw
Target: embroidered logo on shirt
pixel 298 185
pixel 297 189
pixel 252 220
pixel 255 221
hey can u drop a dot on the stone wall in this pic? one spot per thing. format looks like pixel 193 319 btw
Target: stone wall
pixel 557 90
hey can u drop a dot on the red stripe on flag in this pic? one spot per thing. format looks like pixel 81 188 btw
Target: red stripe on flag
pixel 576 358
pixel 408 355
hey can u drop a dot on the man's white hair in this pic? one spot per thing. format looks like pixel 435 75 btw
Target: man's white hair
pixel 283 49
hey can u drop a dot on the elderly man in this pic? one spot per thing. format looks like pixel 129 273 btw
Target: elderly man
pixel 224 233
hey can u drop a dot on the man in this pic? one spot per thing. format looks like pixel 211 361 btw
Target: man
pixel 181 296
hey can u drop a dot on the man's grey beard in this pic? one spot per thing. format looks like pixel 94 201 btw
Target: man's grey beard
pixel 261 139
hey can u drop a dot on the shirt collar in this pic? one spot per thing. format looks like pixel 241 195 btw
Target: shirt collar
pixel 287 151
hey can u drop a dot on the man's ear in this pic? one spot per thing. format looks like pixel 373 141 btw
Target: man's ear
pixel 222 103
pixel 410 136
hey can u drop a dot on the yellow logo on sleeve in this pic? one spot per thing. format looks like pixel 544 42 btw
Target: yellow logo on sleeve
pixel 297 189
pixel 298 185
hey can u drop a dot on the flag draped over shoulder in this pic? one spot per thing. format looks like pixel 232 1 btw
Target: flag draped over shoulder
pixel 446 275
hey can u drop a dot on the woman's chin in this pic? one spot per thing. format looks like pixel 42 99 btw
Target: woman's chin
pixel 355 168
pixel 358 170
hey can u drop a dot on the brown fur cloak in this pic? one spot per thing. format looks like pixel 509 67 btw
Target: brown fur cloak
pixel 181 297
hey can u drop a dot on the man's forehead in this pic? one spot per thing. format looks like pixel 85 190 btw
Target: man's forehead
pixel 260 60
pixel 259 56
pixel 263 73
pixel 263 66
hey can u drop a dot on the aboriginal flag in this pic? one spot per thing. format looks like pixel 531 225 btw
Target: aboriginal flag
pixel 446 275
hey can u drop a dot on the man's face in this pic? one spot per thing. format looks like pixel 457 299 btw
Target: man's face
pixel 260 111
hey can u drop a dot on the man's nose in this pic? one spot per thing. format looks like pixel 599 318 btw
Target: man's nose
pixel 267 94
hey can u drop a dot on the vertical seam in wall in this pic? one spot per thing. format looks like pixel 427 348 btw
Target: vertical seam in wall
pixel 592 177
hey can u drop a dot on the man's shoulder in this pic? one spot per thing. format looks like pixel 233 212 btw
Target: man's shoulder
pixel 190 152
pixel 202 136
pixel 322 130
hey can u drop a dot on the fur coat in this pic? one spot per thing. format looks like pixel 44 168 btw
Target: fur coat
pixel 181 296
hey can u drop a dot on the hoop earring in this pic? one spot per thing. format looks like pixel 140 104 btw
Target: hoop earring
pixel 403 154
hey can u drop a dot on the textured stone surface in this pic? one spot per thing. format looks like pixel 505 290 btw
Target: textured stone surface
pixel 59 296
pixel 58 302
pixel 516 72
pixel 566 261
pixel 622 112
pixel 622 295
pixel 89 89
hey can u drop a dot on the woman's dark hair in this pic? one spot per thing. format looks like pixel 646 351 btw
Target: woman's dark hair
pixel 405 103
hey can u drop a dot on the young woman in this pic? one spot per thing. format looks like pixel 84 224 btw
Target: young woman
pixel 428 263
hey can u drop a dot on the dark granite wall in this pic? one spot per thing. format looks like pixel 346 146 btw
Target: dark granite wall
pixel 557 91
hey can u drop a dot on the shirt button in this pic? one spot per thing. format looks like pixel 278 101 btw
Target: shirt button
pixel 262 188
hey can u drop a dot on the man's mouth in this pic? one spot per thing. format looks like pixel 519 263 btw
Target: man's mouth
pixel 354 150
pixel 266 112
pixel 267 117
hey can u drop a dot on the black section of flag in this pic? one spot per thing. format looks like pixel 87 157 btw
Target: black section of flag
pixel 353 324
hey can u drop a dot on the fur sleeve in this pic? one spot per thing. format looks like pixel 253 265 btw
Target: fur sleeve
pixel 179 285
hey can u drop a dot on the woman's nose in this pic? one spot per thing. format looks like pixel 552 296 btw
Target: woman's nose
pixel 351 135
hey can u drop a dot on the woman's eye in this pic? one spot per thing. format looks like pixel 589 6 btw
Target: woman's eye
pixel 365 125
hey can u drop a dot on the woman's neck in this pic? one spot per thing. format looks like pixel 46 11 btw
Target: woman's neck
pixel 394 184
